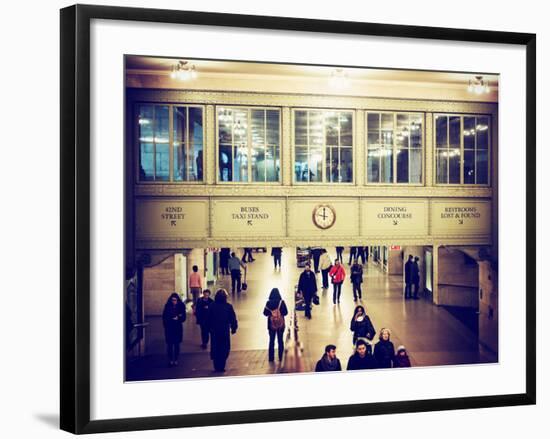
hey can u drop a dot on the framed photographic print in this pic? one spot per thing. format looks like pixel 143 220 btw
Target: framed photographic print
pixel 254 205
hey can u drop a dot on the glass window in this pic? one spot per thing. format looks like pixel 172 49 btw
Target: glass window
pixel 248 144
pixel 323 146
pixel 394 147
pixel 156 145
pixel 462 149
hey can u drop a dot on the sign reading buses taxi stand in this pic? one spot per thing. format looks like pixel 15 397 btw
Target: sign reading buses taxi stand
pixel 394 218
pixel 461 217
pixel 248 218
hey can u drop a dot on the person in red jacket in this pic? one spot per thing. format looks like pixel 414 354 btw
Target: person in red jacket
pixel 337 273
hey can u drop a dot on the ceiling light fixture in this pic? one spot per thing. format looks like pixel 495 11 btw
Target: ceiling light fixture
pixel 338 78
pixel 478 85
pixel 183 71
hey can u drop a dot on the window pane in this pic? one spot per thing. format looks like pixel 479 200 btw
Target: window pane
pixel 316 124
pixel 482 129
pixel 258 164
pixel 300 128
pixel 272 127
pixel 332 164
pixel 346 165
pixel 441 131
pixel 415 130
pixel 272 163
pixel 196 134
pixel 257 128
pixel 146 166
pixel 469 167
pixel 469 132
pixel 332 127
pixel 180 157
pixel 373 139
pixel 454 132
pixel 373 166
pixel 240 127
pixel 441 165
pixel 226 163
pixel 482 176
pixel 240 163
pixel 454 167
pixel 225 124
pixel 315 164
pixel 145 122
pixel 346 129
pixel 373 121
pixel 402 165
pixel 301 167
pixel 387 129
pixel 402 133
pixel 386 166
pixel 162 147
pixel 415 165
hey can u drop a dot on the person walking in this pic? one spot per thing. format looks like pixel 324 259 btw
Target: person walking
pixel 361 359
pixel 325 265
pixel 173 316
pixel 195 284
pixel 225 254
pixel 307 286
pixel 415 278
pixel 356 279
pixel 337 274
pixel 234 264
pixel 340 254
pixel 361 326
pixel 384 352
pixel 408 277
pixel 360 254
pixel 401 358
pixel 316 254
pixel 366 254
pixel 248 254
pixel 222 322
pixel 276 252
pixel 352 254
pixel 275 310
pixel 201 313
pixel 328 362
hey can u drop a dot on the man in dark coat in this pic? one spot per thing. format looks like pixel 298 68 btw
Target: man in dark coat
pixel 415 277
pixel 360 254
pixel 221 321
pixel 225 254
pixel 201 312
pixel 276 252
pixel 408 277
pixel 328 362
pixel 339 252
pixel 173 316
pixel 307 285
pixel 316 253
pixel 352 254
pixel 361 359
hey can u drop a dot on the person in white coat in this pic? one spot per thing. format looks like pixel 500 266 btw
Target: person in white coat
pixel 325 265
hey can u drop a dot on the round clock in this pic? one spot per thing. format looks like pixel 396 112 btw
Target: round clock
pixel 324 216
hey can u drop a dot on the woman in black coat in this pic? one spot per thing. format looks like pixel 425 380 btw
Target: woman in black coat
pixel 221 321
pixel 361 325
pixel 275 310
pixel 173 316
pixel 384 351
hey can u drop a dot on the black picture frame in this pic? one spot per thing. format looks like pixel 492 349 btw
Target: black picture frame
pixel 75 217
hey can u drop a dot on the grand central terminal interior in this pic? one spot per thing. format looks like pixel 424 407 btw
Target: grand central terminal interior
pixel 367 163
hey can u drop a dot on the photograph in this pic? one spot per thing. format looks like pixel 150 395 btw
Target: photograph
pixel 284 218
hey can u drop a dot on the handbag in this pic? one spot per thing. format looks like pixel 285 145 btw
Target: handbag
pixel 315 299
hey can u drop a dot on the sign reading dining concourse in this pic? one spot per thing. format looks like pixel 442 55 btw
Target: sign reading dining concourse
pixel 394 217
pixel 461 217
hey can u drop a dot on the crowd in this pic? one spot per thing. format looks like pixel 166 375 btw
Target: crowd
pixel 217 319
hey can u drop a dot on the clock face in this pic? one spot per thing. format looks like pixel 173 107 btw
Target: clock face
pixel 324 216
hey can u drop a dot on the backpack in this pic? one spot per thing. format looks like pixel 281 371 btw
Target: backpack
pixel 276 319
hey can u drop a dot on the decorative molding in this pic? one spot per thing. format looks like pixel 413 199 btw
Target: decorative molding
pixel 308 100
pixel 210 146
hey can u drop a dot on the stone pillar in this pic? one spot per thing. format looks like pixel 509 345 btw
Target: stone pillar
pixel 360 148
pixel 210 146
pixel 286 147
pixel 429 146
pixel 435 275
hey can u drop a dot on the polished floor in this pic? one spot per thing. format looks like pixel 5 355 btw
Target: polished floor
pixel 432 335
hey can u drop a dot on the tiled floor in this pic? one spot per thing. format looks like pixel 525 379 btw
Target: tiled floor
pixel 431 334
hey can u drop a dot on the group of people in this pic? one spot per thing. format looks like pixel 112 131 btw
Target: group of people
pixel 216 318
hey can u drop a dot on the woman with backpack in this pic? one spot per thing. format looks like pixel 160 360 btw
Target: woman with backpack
pixel 275 310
